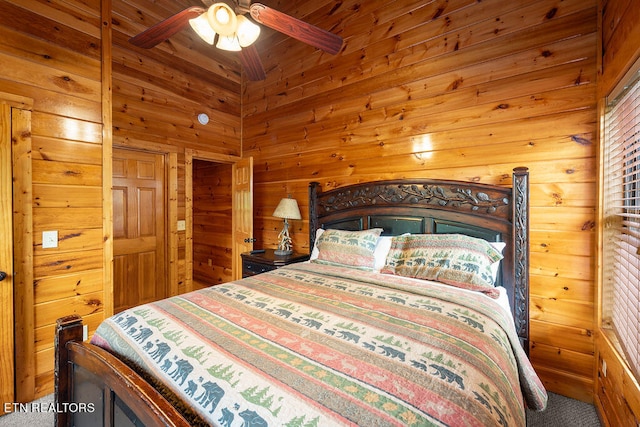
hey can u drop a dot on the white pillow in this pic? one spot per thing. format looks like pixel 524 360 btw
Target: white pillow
pixel 315 251
pixel 380 254
pixel 498 246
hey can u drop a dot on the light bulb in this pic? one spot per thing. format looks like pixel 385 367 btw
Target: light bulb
pixel 222 19
pixel 222 15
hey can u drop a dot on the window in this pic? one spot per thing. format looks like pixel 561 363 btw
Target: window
pixel 621 234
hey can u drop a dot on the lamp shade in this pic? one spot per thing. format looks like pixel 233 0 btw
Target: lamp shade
pixel 287 208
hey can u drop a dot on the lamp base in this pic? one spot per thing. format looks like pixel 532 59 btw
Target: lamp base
pixel 280 252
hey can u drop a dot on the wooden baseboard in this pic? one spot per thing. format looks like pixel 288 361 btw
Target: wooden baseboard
pixel 566 384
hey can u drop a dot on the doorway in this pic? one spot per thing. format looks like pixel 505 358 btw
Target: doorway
pixel 212 213
pixel 233 177
pixel 139 228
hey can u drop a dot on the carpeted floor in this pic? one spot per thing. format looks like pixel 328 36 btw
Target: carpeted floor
pixel 30 419
pixel 564 412
pixel 561 412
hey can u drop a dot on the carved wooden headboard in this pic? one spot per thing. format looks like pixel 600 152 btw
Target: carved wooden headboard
pixel 491 212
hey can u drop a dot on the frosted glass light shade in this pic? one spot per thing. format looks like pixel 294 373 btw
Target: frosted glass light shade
pixel 202 28
pixel 228 43
pixel 247 31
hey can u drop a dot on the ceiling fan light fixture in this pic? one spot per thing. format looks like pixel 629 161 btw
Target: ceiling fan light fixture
pixel 222 19
pixel 247 31
pixel 202 28
pixel 229 43
pixel 223 23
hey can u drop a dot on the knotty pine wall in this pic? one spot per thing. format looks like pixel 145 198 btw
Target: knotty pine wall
pixel 50 52
pixel 158 94
pixel 458 89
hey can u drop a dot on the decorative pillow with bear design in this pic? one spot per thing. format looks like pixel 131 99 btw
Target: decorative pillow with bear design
pixel 348 248
pixel 453 259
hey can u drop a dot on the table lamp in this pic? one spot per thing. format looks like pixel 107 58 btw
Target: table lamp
pixel 287 209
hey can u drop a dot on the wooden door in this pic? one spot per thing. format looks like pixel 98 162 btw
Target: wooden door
pixel 242 212
pixel 139 271
pixel 6 259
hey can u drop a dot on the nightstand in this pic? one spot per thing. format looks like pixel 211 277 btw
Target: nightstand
pixel 266 261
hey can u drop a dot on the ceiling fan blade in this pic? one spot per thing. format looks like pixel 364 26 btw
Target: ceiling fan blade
pixel 251 63
pixel 165 29
pixel 299 30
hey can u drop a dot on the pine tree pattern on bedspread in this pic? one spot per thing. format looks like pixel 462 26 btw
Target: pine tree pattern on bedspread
pixel 315 345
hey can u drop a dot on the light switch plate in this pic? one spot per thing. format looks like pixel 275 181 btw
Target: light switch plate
pixel 49 239
pixel 182 225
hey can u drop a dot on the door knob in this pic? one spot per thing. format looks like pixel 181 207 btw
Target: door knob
pixel 3 276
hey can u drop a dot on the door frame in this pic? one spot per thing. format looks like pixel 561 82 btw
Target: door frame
pixel 191 155
pixel 22 241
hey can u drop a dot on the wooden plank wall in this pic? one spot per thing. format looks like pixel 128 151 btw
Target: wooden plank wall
pixel 617 389
pixel 50 52
pixel 159 92
pixel 212 202
pixel 458 89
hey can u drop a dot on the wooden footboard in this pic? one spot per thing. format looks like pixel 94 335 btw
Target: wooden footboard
pixel 94 388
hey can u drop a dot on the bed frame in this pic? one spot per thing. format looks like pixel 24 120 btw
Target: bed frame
pixel 493 213
pixel 97 389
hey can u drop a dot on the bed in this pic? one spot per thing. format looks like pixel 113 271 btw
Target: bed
pixel 360 335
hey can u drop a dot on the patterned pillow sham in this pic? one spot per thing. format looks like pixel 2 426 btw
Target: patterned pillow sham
pixel 453 259
pixel 348 248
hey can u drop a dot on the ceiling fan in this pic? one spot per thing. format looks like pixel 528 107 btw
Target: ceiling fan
pixel 236 32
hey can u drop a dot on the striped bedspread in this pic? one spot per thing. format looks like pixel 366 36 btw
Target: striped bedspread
pixel 316 345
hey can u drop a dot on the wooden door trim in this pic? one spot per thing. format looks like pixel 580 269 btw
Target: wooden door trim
pixel 16 101
pixel 191 155
pixel 171 214
pixel 107 153
pixel 22 218
pixel 23 267
pixel 7 335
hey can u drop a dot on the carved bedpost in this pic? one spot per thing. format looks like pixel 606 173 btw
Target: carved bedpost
pixel 521 255
pixel 68 329
pixel 314 189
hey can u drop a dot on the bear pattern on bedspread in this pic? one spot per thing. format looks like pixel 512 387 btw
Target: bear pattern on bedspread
pixel 312 345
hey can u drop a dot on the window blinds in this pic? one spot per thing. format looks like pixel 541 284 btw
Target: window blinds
pixel 621 244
